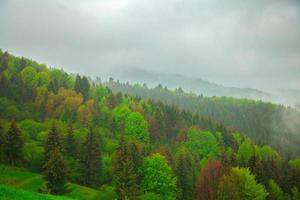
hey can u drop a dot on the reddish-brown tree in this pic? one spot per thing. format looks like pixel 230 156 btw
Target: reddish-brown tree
pixel 208 180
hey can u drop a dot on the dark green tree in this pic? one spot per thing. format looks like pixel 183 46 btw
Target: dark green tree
pixel 125 177
pixel 53 142
pixel 70 144
pixel 13 145
pixel 56 173
pixel 85 88
pixel 82 86
pixel 111 100
pixel 185 172
pixel 90 160
pixel 77 86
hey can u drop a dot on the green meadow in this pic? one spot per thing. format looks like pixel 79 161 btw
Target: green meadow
pixel 22 184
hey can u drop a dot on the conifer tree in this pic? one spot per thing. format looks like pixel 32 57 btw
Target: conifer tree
pixel 77 84
pixel 70 146
pixel 82 86
pixel 125 177
pixel 13 145
pixel 111 100
pixel 85 88
pixel 56 173
pixel 185 172
pixel 90 160
pixel 53 141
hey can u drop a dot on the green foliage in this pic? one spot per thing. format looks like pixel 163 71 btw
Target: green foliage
pixel 41 79
pixel 32 127
pixel 150 196
pixel 137 127
pixel 185 172
pixel 28 74
pixel 82 86
pixel 90 160
pixel 266 153
pixel 100 93
pixel 245 152
pixel 295 193
pixel 33 156
pixel 121 113
pixel 53 142
pixel 9 110
pixel 237 137
pixel 56 173
pixel 157 177
pixel 13 145
pixel 125 175
pixel 295 163
pixel 70 143
pixel 203 144
pixel 240 184
pixel 275 192
pixel 106 169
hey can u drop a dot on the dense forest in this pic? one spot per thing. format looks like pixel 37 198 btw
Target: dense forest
pixel 79 138
pixel 265 123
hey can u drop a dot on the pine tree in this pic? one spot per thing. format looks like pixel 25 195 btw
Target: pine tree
pixel 53 141
pixel 77 86
pixel 13 145
pixel 111 100
pixel 82 86
pixel 85 88
pixel 185 172
pixel 56 173
pixel 90 160
pixel 70 146
pixel 125 177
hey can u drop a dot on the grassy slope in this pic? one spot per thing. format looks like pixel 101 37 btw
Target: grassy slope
pixel 10 193
pixel 22 179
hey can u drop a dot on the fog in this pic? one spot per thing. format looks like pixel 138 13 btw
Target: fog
pixel 254 44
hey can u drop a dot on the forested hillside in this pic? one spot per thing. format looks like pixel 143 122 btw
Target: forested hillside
pixel 68 130
pixel 265 123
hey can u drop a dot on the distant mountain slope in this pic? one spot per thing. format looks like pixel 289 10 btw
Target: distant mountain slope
pixel 263 122
pixel 196 85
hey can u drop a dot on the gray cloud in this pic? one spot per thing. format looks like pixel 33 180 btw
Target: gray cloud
pixel 239 43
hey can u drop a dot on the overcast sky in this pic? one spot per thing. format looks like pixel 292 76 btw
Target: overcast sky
pixel 247 43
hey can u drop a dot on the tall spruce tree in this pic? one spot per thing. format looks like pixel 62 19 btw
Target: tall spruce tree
pixel 90 161
pixel 69 143
pixel 185 172
pixel 85 88
pixel 82 86
pixel 77 86
pixel 56 173
pixel 53 142
pixel 125 177
pixel 13 145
